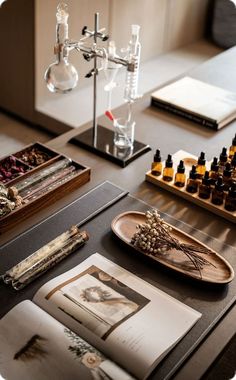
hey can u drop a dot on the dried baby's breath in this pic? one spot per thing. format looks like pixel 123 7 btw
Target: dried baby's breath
pixel 154 238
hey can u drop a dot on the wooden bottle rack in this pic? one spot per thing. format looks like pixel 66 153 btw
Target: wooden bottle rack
pixel 189 160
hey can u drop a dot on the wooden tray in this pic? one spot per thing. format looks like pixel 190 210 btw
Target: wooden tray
pixel 10 220
pixel 124 226
pixel 190 160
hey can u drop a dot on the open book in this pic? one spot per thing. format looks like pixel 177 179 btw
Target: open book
pixel 120 315
pixel 197 101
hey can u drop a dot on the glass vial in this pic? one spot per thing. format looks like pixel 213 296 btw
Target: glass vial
pixel 192 182
pixel 214 172
pixel 180 176
pixel 232 149
pixel 227 176
pixel 168 172
pixel 201 165
pixel 157 164
pixel 222 160
pixel 204 191
pixel 230 200
pixel 217 197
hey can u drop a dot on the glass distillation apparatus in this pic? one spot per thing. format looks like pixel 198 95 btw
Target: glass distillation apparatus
pixel 61 76
pixel 124 127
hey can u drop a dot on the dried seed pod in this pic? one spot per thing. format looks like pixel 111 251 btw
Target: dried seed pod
pixel 12 192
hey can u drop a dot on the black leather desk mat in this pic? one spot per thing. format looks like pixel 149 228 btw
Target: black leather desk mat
pixel 76 213
pixel 211 300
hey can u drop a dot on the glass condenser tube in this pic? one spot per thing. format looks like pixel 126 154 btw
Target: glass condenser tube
pixel 131 82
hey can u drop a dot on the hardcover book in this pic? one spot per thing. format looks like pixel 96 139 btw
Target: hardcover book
pixel 93 312
pixel 197 101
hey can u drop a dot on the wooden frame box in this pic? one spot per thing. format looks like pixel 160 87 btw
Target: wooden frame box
pixel 50 194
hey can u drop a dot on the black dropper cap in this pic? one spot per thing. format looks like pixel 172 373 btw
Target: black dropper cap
pixel 223 155
pixel 193 173
pixel 232 190
pixel 181 168
pixel 214 165
pixel 228 170
pixel 201 159
pixel 206 179
pixel 157 157
pixel 219 185
pixel 169 162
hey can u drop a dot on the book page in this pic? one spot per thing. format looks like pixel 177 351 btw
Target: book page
pixel 117 312
pixel 33 345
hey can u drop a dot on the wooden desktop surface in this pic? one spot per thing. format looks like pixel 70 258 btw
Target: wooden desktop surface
pixel 169 134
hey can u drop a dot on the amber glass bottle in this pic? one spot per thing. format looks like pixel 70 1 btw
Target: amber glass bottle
pixel 205 187
pixel 233 166
pixel 214 172
pixel 218 192
pixel 192 182
pixel 157 164
pixel 180 176
pixel 168 171
pixel 222 160
pixel 230 200
pixel 232 148
pixel 227 176
pixel 201 165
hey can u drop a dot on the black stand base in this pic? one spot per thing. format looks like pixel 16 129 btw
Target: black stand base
pixel 106 148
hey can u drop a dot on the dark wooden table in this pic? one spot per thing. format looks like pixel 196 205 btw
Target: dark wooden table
pixel 169 134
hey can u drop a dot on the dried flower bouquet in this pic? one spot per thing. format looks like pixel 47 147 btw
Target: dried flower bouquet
pixel 154 238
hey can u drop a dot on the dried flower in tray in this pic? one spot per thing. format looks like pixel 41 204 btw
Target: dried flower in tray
pixel 9 199
pixel 154 238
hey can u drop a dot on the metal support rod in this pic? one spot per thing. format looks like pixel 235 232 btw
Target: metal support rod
pixel 96 28
pixel 93 52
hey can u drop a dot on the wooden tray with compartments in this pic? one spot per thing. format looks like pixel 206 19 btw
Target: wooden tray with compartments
pixel 27 166
pixel 190 160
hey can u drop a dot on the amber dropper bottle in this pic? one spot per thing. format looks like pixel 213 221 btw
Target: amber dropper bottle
pixel 217 197
pixel 180 176
pixel 227 176
pixel 192 182
pixel 230 200
pixel 214 171
pixel 205 187
pixel 233 166
pixel 222 161
pixel 232 149
pixel 201 165
pixel 157 164
pixel 168 171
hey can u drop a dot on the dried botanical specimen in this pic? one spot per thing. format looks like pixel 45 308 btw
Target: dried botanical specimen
pixel 32 350
pixel 154 238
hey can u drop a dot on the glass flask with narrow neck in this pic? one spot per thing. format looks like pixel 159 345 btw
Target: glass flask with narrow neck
pixel 61 76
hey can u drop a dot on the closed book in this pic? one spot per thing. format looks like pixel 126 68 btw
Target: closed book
pixel 197 101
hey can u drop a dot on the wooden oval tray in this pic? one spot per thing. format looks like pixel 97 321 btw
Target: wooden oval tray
pixel 124 226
